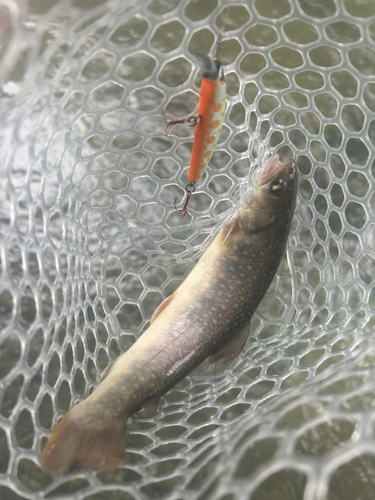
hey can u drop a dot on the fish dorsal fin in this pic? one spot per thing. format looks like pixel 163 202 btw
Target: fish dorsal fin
pixel 108 370
pixel 230 228
pixel 161 308
pixel 150 408
pixel 234 346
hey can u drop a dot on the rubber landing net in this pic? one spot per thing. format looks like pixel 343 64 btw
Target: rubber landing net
pixel 90 242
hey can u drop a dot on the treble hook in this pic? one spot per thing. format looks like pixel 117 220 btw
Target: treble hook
pixel 190 188
pixel 191 121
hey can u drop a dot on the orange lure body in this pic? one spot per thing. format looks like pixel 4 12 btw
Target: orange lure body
pixel 208 122
pixel 211 110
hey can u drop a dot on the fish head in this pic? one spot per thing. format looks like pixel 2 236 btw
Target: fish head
pixel 273 198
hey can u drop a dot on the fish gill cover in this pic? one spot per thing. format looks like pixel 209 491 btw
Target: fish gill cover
pixel 90 242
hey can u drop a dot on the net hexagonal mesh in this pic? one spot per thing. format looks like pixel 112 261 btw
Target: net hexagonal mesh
pixel 91 244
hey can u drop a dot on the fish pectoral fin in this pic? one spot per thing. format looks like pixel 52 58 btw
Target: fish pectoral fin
pixel 161 308
pixel 150 408
pixel 230 228
pixel 234 346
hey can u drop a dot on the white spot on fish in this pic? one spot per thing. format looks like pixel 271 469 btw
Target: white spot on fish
pixel 180 363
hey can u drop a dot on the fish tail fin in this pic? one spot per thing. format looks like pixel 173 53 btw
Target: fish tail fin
pixel 89 441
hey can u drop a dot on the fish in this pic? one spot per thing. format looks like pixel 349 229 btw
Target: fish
pixel 208 316
pixel 208 122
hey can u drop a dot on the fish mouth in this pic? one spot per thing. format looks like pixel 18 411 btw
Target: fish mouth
pixel 272 169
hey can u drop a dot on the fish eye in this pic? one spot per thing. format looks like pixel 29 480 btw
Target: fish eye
pixel 278 185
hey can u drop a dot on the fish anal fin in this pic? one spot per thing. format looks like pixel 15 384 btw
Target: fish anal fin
pixel 161 307
pixel 150 408
pixel 234 346
pixel 230 228
pixel 86 441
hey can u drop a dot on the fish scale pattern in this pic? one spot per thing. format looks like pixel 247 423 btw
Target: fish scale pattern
pixel 90 242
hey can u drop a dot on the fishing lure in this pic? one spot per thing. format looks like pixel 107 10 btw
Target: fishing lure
pixel 208 121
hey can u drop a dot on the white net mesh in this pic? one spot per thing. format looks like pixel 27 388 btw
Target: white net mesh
pixel 91 244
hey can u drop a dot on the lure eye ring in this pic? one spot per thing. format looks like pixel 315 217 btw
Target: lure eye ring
pixel 190 188
pixel 278 185
pixel 193 120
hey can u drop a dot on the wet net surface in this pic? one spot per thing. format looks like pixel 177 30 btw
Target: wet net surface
pixel 90 243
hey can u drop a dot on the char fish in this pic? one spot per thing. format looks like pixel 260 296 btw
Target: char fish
pixel 207 316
